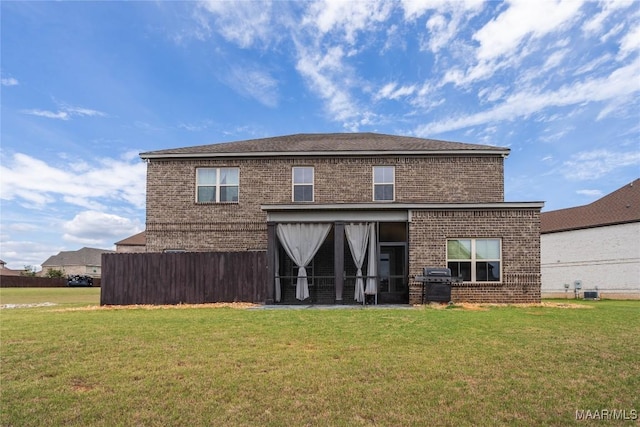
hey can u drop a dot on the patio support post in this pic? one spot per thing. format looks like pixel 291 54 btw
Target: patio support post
pixel 338 258
pixel 272 247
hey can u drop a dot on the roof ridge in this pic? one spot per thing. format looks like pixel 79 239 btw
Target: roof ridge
pixel 327 144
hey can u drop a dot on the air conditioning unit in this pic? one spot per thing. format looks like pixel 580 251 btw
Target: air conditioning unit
pixel 593 295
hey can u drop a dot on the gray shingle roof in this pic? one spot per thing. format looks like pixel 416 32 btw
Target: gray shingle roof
pixel 327 144
pixel 621 206
pixel 84 256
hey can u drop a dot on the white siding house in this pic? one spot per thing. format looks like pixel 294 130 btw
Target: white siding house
pixel 597 244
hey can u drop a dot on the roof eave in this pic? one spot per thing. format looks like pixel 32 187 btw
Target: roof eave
pixel 588 226
pixel 403 206
pixel 157 156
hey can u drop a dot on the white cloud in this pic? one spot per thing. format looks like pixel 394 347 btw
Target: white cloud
pixel 19 226
pixel 324 48
pixel 589 165
pixel 65 112
pixel 18 253
pixel 590 193
pixel 555 59
pixel 611 88
pixel 510 37
pixel 98 228
pixel 444 25
pixel 9 81
pixel 62 115
pixel 548 136
pixel 492 94
pixel 630 43
pixel 329 78
pixel 196 126
pixel 39 183
pixel 82 112
pixel 612 32
pixel 595 24
pixel 254 83
pixel 392 91
pixel 346 17
pixel 241 22
pixel 521 44
pixel 594 64
pixel 414 8
pixel 522 19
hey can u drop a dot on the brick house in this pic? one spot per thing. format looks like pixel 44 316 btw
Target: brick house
pixel 132 244
pixel 370 210
pixel 597 245
pixel 85 261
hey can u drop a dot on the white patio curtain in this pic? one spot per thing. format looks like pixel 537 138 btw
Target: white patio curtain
pixel 301 242
pixel 358 237
pixel 372 270
pixel 277 273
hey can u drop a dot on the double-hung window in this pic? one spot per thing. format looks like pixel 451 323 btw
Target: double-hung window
pixel 475 260
pixel 384 183
pixel 217 185
pixel 302 179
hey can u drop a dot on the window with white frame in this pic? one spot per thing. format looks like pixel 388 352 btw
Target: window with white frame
pixel 217 185
pixel 302 179
pixel 384 183
pixel 475 260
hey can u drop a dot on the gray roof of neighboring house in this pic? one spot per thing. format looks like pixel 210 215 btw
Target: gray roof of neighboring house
pixel 327 144
pixel 620 207
pixel 84 256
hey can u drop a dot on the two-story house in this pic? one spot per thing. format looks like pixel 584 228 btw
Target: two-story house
pixel 346 215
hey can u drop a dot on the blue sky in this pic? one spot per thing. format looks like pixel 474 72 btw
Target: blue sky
pixel 86 86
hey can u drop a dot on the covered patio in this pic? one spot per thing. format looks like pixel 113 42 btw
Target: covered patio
pixel 328 255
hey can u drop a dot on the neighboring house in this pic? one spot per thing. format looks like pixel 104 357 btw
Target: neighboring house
pixel 132 244
pixel 4 271
pixel 597 244
pixel 85 261
pixel 348 205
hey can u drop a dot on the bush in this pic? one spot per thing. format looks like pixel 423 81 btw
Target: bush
pixel 54 273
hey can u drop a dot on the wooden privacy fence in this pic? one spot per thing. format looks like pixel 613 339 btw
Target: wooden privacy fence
pixel 37 282
pixel 183 278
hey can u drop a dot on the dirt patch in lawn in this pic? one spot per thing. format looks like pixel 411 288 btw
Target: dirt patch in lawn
pixel 246 305
pixel 487 306
pixel 39 304
pixel 239 305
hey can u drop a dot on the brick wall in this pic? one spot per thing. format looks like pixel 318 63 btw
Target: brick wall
pixel 520 233
pixel 175 221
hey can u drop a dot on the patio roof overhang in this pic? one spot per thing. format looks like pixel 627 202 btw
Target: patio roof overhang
pixel 375 211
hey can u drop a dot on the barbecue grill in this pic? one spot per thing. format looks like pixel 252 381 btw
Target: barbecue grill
pixel 436 284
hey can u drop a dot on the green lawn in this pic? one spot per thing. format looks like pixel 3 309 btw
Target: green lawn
pixel 391 367
pixel 63 296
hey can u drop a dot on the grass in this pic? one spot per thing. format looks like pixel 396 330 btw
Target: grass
pixel 224 366
pixel 64 296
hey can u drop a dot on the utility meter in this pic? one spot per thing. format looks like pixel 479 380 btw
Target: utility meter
pixel 577 284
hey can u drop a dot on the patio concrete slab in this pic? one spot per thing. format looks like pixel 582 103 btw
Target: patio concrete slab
pixel 330 307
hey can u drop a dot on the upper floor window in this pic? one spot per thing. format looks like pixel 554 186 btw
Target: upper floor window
pixel 302 179
pixel 475 260
pixel 217 185
pixel 384 183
